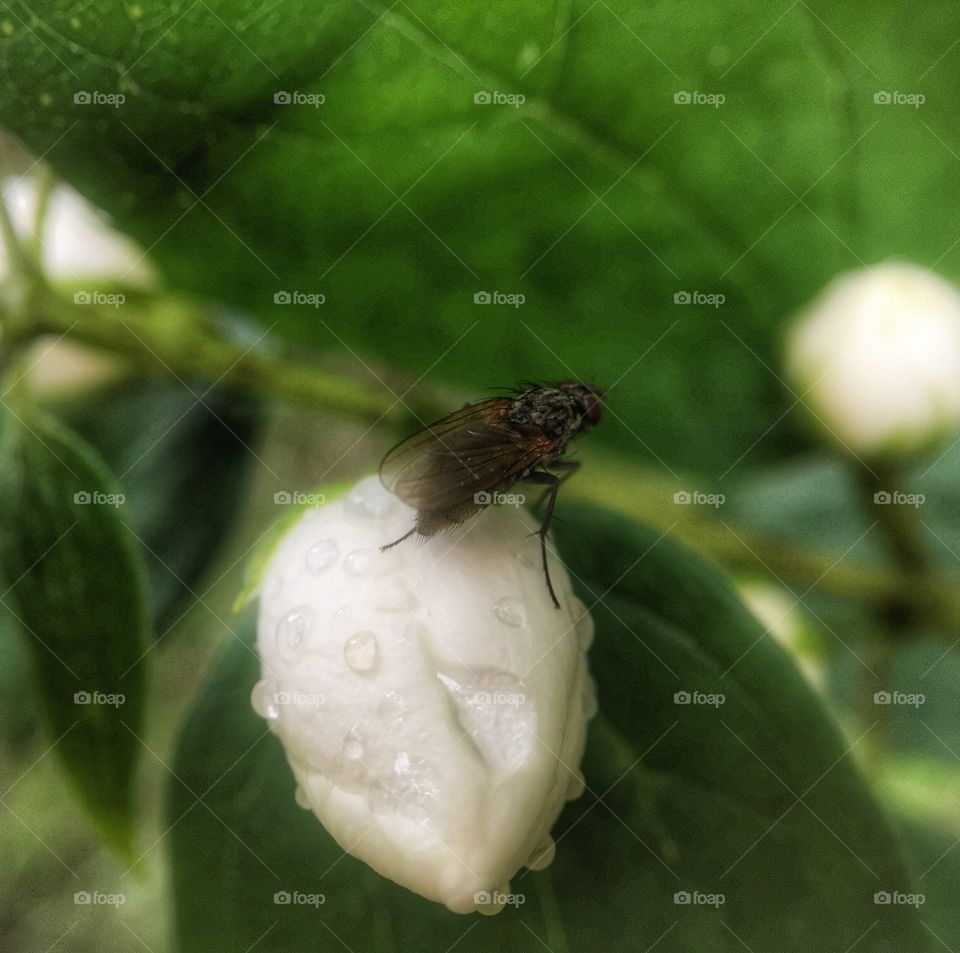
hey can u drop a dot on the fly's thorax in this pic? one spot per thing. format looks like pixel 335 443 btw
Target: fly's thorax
pixel 549 410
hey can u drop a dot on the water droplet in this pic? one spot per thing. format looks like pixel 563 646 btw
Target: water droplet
pixel 543 854
pixel 368 500
pixel 292 629
pixel 321 556
pixel 401 764
pixel 510 611
pixel 576 786
pixel 359 562
pixel 300 796
pixel 263 701
pixel 362 651
pixel 491 902
pixel 353 749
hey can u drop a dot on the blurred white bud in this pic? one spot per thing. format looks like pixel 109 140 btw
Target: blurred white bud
pixel 78 241
pixel 79 246
pixel 431 701
pixel 877 358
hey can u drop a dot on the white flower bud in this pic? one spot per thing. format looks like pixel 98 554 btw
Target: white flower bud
pixel 430 699
pixel 79 242
pixel 877 356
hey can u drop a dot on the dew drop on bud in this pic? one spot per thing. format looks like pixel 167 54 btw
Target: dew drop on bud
pixel 492 903
pixel 352 746
pixel 321 556
pixel 262 700
pixel 292 629
pixel 362 651
pixel 576 786
pixel 359 562
pixel 369 500
pixel 510 611
pixel 543 854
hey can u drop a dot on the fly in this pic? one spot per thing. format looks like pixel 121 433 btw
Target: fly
pixel 453 468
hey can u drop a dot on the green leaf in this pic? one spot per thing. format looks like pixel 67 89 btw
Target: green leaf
pixel 73 586
pixel 694 798
pixel 598 199
pixel 932 852
pixel 183 454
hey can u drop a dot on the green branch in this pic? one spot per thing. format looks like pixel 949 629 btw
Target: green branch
pixel 171 337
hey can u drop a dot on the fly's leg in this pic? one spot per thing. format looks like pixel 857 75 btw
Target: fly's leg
pixel 567 468
pixel 383 549
pixel 552 483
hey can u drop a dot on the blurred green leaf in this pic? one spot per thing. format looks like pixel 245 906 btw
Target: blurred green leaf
pixel 598 199
pixel 694 798
pixel 182 453
pixel 816 504
pixel 934 856
pixel 74 588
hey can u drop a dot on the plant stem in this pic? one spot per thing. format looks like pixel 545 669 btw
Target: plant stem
pixel 22 264
pixel 46 185
pixel 882 497
pixel 640 495
pixel 550 909
pixel 177 338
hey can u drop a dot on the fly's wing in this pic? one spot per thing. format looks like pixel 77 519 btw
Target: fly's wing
pixel 469 451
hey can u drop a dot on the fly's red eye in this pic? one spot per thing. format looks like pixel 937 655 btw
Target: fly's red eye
pixel 594 410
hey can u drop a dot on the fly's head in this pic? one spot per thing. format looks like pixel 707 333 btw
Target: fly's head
pixel 587 401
